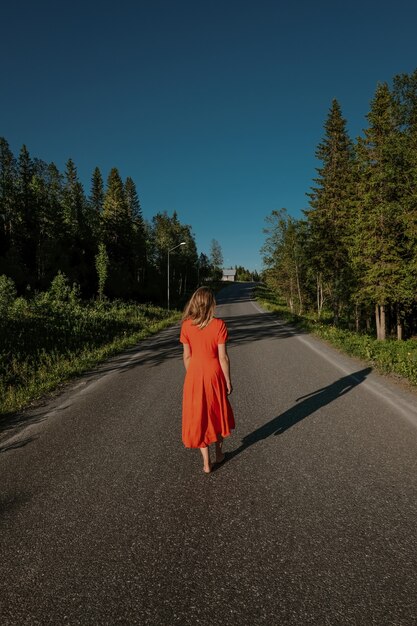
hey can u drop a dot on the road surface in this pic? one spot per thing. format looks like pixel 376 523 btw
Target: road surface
pixel 107 519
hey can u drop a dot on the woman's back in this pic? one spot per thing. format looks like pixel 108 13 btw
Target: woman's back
pixel 204 342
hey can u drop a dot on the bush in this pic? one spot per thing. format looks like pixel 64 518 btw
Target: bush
pixel 59 291
pixel 45 341
pixel 7 295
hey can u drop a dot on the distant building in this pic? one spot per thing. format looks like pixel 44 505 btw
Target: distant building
pixel 229 275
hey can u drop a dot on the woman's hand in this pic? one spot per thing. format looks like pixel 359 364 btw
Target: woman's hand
pixel 229 387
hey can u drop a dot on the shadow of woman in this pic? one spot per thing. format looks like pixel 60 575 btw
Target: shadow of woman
pixel 307 405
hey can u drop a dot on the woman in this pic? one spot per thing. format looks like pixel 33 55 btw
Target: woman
pixel 207 416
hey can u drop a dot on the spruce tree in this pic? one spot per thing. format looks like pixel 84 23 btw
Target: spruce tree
pixel 95 203
pixel 55 247
pixel 405 97
pixel 216 259
pixel 139 234
pixel 378 249
pixel 73 200
pixel 25 216
pixel 97 191
pixel 330 212
pixel 117 229
pixel 7 202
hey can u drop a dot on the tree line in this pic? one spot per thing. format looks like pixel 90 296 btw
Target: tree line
pixel 355 250
pixel 99 241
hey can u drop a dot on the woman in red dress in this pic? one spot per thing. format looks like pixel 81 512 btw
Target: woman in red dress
pixel 207 416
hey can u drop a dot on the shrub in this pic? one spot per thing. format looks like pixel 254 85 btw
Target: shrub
pixel 7 295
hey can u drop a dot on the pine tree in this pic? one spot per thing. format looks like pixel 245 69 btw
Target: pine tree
pixel 54 247
pixel 188 260
pixel 118 236
pixel 96 201
pixel 97 191
pixel 204 268
pixel 7 201
pixel 405 97
pixel 132 200
pixel 216 259
pixel 379 241
pixel 139 235
pixel 73 200
pixel 25 215
pixel 329 216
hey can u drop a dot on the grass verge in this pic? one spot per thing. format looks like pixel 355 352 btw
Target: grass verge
pixel 43 345
pixel 389 356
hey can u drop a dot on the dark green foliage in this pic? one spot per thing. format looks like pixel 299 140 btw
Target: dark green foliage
pixel 284 254
pixel 167 233
pixel 216 260
pixel 329 216
pixel 97 193
pixel 7 195
pixel 138 234
pixel 7 295
pixel 102 267
pixel 245 275
pixel 204 270
pixel 47 224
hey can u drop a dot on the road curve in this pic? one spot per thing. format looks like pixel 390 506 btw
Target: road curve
pixel 106 519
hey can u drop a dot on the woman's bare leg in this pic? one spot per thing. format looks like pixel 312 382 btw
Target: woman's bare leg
pixel 219 451
pixel 206 459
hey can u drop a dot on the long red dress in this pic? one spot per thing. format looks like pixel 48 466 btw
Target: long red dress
pixel 206 410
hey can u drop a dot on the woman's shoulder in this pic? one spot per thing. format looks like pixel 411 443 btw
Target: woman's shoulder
pixel 219 324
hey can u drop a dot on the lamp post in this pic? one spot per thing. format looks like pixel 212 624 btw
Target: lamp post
pixel 180 244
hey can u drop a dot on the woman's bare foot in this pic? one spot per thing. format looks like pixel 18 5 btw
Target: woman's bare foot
pixel 206 459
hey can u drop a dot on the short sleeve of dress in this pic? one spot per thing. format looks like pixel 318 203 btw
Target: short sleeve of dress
pixel 183 334
pixel 222 336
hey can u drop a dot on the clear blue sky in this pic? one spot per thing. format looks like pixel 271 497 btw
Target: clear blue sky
pixel 214 108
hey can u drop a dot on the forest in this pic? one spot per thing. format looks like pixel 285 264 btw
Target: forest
pixel 353 254
pixel 99 241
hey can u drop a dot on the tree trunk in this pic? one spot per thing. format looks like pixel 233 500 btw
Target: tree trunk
pixel 381 330
pixel 319 295
pixel 299 290
pixel 357 318
pixel 383 327
pixel 291 297
pixel 400 325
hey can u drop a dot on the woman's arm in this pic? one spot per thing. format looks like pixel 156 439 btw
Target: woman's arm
pixel 186 355
pixel 225 365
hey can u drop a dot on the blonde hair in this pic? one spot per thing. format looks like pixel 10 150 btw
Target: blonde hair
pixel 200 307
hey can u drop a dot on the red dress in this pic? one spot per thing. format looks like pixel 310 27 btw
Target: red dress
pixel 206 410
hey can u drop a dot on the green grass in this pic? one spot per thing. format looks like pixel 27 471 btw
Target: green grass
pixel 44 344
pixel 389 356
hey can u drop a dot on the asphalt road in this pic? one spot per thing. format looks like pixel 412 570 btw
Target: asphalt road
pixel 107 519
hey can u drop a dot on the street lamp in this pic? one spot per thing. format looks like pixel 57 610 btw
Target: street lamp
pixel 180 244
